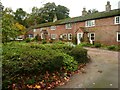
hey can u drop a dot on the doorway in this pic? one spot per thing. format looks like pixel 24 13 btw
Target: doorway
pixel 79 37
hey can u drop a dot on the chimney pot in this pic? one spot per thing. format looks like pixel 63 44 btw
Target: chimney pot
pixel 108 6
pixel 84 12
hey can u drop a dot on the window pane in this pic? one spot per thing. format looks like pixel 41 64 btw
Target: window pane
pixel 90 23
pixel 53 27
pixel 92 35
pixel 92 38
pixel 118 37
pixel 68 26
pixel 117 19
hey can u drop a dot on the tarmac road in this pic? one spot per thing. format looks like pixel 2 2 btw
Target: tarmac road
pixel 102 72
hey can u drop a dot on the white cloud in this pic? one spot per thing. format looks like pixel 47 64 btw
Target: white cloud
pixel 75 6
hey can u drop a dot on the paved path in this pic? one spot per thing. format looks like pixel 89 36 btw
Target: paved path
pixel 102 72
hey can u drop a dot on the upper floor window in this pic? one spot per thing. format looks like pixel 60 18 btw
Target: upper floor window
pixel 68 26
pixel 90 23
pixel 117 20
pixel 53 27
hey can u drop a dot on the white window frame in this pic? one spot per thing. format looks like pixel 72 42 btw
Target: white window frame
pixel 117 17
pixel 90 23
pixel 30 36
pixel 42 36
pixel 53 28
pixel 53 36
pixel 68 26
pixel 90 36
pixel 118 33
pixel 69 38
pixel 63 36
pixel 34 30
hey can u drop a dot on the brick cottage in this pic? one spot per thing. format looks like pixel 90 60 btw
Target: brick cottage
pixel 101 27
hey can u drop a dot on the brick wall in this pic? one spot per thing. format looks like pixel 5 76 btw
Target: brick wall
pixel 105 30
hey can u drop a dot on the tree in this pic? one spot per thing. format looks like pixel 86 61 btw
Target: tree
pixel 20 16
pixel 92 11
pixel 46 14
pixel 62 12
pixel 9 30
pixel 50 9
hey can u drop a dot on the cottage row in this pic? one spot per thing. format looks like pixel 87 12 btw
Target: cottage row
pixel 101 27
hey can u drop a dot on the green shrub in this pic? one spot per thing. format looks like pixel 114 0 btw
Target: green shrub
pixel 85 44
pixel 44 41
pixel 69 63
pixel 79 54
pixel 118 48
pixel 27 40
pixel 29 60
pixel 112 47
pixel 59 42
pixel 97 45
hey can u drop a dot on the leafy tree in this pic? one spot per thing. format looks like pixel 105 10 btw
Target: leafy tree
pixel 46 14
pixel 34 18
pixel 21 28
pixel 92 11
pixel 20 16
pixel 62 12
pixel 9 30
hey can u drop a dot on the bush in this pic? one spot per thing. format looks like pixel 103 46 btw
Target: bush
pixel 97 45
pixel 23 62
pixel 112 47
pixel 79 54
pixel 44 41
pixel 27 40
pixel 69 63
pixel 85 44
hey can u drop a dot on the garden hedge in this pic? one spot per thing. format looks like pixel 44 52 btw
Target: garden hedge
pixel 24 61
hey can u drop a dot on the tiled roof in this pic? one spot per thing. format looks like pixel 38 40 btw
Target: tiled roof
pixel 92 16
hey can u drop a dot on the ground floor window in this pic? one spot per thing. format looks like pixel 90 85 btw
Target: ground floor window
pixel 118 36
pixel 69 36
pixel 53 36
pixel 42 36
pixel 64 36
pixel 30 35
pixel 92 36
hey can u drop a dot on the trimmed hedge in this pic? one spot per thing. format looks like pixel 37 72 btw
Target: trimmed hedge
pixel 24 61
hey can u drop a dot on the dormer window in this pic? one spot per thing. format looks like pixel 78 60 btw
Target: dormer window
pixel 53 27
pixel 68 26
pixel 117 20
pixel 90 23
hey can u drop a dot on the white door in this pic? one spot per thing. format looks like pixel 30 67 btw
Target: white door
pixel 79 36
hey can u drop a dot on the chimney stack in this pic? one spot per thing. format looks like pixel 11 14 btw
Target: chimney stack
pixel 84 12
pixel 108 6
pixel 119 5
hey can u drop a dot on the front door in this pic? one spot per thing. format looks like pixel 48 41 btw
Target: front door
pixel 79 37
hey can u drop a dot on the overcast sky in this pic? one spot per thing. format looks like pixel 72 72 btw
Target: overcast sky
pixel 75 6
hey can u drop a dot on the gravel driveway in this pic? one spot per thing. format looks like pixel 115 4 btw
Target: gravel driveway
pixel 102 72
